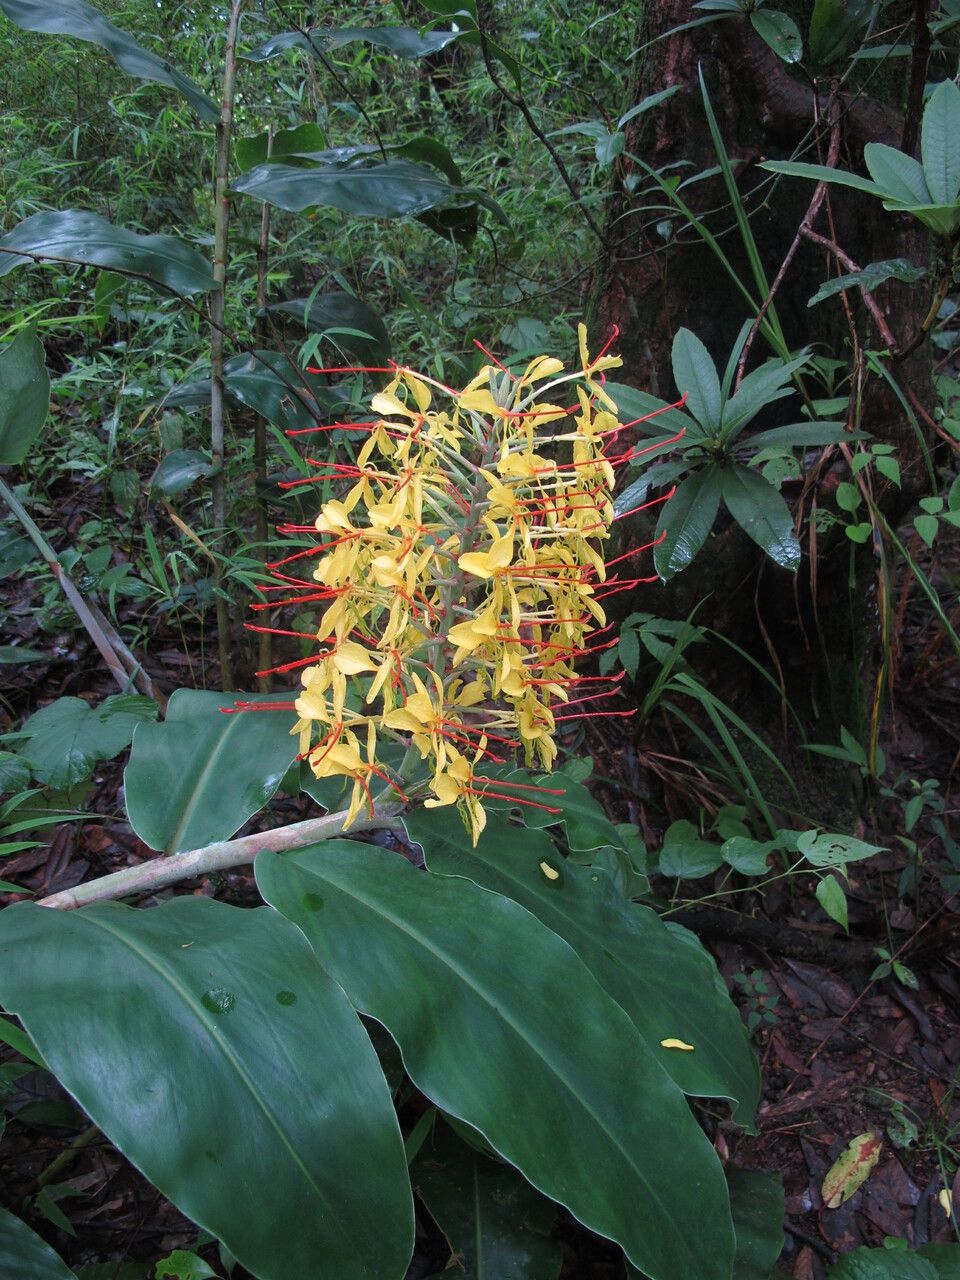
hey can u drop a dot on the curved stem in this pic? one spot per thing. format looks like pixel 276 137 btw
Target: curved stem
pixel 161 872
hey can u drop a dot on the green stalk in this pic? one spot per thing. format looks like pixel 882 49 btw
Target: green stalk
pixel 264 638
pixel 217 309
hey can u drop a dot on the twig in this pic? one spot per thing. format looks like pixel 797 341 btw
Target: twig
pixel 122 664
pixel 217 307
pixel 164 871
pixel 869 300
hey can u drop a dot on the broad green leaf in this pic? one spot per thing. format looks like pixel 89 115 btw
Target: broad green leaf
pixel 940 143
pixel 822 173
pixel 652 100
pixel 870 277
pixel 199 775
pixel 24 396
pixel 899 175
pixel 635 494
pixel 229 1068
pixel 394 189
pixel 181 1265
pixel 66 739
pixel 748 856
pixel 883 1264
pixel 831 897
pixel 24 1256
pixel 86 239
pixel 285 142
pixel 342 311
pixel 945 1259
pixel 823 849
pixel 686 521
pixel 14 772
pixel 836 26
pixel 178 470
pixel 658 973
pixel 487 1006
pixel 686 855
pixel 780 33
pixel 496 1224
pixel 756 1201
pixel 650 413
pixel 762 513
pixel 75 18
pixel 405 42
pixel 696 376
pixel 586 826
pixel 269 383
pixel 763 386
pixel 943 220
pixel 803 434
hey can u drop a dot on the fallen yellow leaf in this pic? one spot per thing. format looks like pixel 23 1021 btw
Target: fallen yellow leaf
pixel 848 1173
pixel 672 1043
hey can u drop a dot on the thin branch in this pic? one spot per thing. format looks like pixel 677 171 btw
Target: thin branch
pixel 162 872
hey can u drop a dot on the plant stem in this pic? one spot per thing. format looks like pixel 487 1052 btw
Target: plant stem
pixel 217 307
pixel 265 637
pixel 161 872
pixel 123 666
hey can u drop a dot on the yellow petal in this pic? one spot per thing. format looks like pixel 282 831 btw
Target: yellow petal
pixel 672 1043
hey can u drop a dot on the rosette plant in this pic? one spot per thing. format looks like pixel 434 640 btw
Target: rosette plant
pixel 237 1055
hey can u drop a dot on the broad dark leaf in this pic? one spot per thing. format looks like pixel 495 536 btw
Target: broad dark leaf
pixel 75 18
pixel 487 1006
pixel 761 512
pixel 269 383
pixel 179 469
pixel 24 395
pixel 212 1049
pixel 686 520
pixel 86 239
pixel 402 41
pixel 199 775
pixel 869 278
pixel 342 311
pixel 659 974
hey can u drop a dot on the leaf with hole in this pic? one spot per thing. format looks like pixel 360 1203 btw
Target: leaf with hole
pixel 205 1012
pixel 823 849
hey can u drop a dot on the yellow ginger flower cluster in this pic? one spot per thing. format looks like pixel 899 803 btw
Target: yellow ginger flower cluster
pixel 459 575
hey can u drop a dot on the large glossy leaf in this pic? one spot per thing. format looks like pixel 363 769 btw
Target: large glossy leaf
pixel 659 974
pixel 898 174
pixel 780 32
pixel 761 512
pixel 212 1049
pixel 267 146
pixel 271 385
pixel 758 389
pixel 940 143
pixel 503 1026
pixel 75 18
pixel 66 739
pixel 339 311
pixel 402 41
pixel 86 239
pixel 199 775
pixel 686 521
pixel 640 405
pixel 756 1199
pixel 24 1256
pixel 394 189
pixel 883 1264
pixel 24 396
pixel 496 1224
pixel 696 376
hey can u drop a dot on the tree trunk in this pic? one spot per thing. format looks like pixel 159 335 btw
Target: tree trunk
pixel 658 278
